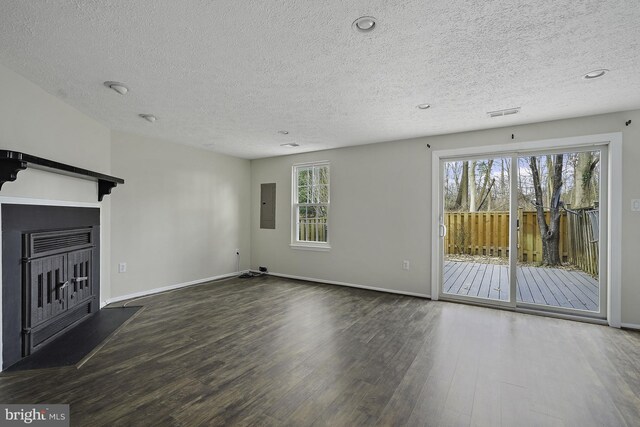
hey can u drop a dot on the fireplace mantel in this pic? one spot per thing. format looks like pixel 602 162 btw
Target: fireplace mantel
pixel 12 162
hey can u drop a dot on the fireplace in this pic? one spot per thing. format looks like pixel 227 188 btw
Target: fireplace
pixel 50 260
pixel 50 274
pixel 57 280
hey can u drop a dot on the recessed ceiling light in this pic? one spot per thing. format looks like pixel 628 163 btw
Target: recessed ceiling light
pixel 364 24
pixel 507 112
pixel 424 106
pixel 595 74
pixel 290 145
pixel 283 132
pixel 148 117
pixel 118 87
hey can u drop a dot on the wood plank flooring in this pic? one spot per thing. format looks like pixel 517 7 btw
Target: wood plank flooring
pixel 553 287
pixel 270 351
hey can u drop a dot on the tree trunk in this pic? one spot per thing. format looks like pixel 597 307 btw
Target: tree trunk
pixel 550 233
pixel 485 184
pixel 584 188
pixel 502 181
pixel 486 194
pixel 551 250
pixel 473 191
pixel 446 182
pixel 462 201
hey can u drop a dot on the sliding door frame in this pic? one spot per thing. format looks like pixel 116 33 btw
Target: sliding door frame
pixel 613 205
pixel 603 194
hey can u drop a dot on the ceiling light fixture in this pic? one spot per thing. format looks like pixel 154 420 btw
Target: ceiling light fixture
pixel 283 132
pixel 290 145
pixel 118 87
pixel 507 112
pixel 148 117
pixel 424 106
pixel 364 24
pixel 595 74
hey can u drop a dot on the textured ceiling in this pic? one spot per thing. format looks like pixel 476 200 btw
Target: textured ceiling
pixel 229 74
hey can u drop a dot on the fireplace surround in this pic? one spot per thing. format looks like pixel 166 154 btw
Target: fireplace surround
pixel 50 274
pixel 50 259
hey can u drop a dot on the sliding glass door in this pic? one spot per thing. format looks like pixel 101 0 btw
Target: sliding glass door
pixel 525 230
pixel 559 222
pixel 476 229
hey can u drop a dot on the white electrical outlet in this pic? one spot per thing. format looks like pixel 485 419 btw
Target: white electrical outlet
pixel 405 265
pixel 122 267
pixel 635 205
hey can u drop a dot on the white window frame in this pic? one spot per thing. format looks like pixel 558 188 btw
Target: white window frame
pixel 304 244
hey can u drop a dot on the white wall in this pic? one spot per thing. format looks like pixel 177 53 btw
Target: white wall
pixel 179 217
pixel 381 207
pixel 34 122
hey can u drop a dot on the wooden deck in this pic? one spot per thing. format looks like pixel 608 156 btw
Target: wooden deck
pixel 536 285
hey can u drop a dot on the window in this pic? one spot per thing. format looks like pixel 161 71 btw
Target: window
pixel 310 206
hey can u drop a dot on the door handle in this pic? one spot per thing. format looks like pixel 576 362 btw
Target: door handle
pixel 443 230
pixel 62 285
pixel 79 279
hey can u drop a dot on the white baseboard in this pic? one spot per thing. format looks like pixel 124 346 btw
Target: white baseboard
pixel 168 288
pixel 630 325
pixel 350 285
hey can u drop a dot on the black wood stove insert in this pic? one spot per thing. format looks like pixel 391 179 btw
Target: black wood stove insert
pixel 57 283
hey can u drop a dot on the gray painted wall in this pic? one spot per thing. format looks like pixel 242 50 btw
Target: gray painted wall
pixel 381 207
pixel 180 216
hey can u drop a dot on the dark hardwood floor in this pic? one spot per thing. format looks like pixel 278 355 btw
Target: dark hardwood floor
pixel 269 351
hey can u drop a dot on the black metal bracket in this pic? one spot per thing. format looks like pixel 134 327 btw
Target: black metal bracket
pixel 12 162
pixel 105 187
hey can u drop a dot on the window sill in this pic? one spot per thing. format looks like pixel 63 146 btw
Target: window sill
pixel 310 247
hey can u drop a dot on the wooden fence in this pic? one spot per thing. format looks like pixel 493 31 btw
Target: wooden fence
pixel 307 229
pixel 583 227
pixel 529 240
pixel 487 233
